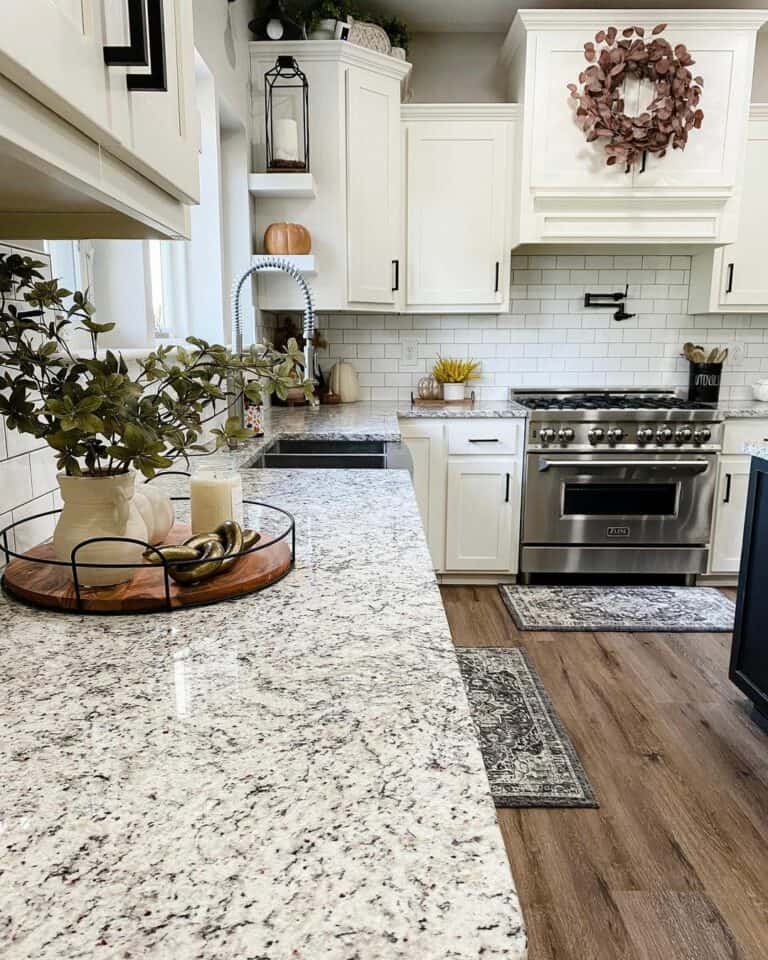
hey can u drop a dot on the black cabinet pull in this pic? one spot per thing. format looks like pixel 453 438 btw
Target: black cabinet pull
pixel 727 497
pixel 496 282
pixel 506 495
pixel 135 54
pixel 485 440
pixel 157 78
pixel 729 284
pixel 396 285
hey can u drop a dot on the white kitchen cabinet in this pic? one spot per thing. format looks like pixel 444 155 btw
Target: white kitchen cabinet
pixel 426 444
pixel 52 52
pixel 373 187
pixel 733 279
pixel 567 194
pixel 483 506
pixel 730 508
pixel 458 184
pixel 355 214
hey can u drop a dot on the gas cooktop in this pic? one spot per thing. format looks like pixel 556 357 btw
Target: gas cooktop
pixel 607 401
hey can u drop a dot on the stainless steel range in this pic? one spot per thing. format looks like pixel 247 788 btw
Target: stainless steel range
pixel 617 483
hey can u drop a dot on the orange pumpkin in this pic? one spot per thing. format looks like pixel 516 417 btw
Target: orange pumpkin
pixel 287 238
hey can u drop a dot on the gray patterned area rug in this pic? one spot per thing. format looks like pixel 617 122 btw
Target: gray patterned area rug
pixel 620 609
pixel 528 756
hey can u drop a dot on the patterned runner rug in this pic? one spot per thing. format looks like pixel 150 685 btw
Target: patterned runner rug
pixel 620 609
pixel 528 756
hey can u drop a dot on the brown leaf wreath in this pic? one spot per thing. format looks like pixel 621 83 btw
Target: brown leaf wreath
pixel 669 117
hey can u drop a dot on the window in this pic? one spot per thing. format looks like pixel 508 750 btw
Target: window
pixel 71 262
pixel 168 280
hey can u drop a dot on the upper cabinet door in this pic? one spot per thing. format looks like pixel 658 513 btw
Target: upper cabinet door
pixel 164 131
pixel 373 186
pixel 53 50
pixel 713 155
pixel 743 275
pixel 457 209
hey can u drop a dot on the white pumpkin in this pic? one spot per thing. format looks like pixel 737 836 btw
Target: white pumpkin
pixel 343 381
pixel 156 509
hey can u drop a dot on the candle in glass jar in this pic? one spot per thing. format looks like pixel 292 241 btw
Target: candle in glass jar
pixel 216 495
pixel 287 140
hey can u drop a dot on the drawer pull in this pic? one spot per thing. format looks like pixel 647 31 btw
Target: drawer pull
pixel 506 495
pixel 496 281
pixel 727 497
pixel 485 440
pixel 729 284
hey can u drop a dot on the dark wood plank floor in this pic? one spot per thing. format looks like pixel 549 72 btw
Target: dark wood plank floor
pixel 674 864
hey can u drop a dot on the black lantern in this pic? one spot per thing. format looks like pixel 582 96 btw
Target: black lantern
pixel 286 111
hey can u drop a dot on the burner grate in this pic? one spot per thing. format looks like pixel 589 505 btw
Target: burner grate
pixel 608 401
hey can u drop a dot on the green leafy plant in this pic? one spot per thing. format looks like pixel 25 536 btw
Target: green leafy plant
pixel 317 10
pixel 397 31
pixel 449 370
pixel 100 419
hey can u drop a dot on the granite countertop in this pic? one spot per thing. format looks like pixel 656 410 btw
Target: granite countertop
pixel 733 409
pixel 290 776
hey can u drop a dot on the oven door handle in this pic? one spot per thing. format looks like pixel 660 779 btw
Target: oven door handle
pixel 698 466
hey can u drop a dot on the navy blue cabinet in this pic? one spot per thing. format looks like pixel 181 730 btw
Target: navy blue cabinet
pixel 749 654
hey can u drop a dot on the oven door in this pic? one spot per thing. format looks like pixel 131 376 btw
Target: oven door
pixel 619 499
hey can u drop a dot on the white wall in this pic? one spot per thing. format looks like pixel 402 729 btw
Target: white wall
pixel 456 68
pixel 221 39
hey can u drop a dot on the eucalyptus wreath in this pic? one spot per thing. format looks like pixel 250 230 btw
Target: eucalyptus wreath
pixel 99 418
pixel 673 112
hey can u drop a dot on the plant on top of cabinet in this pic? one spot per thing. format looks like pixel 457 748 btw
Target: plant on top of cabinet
pixel 103 423
pixel 671 114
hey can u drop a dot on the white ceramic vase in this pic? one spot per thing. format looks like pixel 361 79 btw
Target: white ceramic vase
pixel 156 509
pixel 325 30
pixel 453 391
pixel 100 507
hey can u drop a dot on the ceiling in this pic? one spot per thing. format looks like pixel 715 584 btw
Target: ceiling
pixel 480 16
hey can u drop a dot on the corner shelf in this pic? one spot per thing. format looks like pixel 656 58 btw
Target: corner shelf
pixel 305 264
pixel 295 185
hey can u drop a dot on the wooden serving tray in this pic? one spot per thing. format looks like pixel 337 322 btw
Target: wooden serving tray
pixel 51 586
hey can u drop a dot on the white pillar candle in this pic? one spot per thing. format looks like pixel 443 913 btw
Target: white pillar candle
pixel 216 496
pixel 286 140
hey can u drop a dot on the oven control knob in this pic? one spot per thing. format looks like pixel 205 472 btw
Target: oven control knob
pixel 684 435
pixel 615 435
pixel 701 436
pixel 565 435
pixel 663 435
pixel 596 434
pixel 644 435
pixel 548 435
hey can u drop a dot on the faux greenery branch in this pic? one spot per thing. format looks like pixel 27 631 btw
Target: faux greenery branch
pixel 99 419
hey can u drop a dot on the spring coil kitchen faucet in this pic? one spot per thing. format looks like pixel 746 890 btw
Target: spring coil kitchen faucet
pixel 274 263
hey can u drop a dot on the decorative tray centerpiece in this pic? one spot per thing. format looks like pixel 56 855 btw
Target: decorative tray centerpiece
pixel 116 546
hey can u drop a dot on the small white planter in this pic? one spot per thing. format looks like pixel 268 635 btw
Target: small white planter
pixel 325 30
pixel 100 507
pixel 453 391
pixel 398 53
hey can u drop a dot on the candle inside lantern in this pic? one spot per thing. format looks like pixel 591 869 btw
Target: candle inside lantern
pixel 286 140
pixel 216 495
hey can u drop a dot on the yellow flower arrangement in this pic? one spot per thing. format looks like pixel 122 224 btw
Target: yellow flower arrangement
pixel 449 370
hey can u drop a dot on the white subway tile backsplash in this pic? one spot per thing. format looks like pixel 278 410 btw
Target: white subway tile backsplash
pixel 549 339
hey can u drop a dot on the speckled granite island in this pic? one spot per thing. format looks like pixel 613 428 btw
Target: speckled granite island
pixel 291 776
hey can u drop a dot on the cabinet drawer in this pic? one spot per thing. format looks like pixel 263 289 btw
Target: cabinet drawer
pixel 485 437
pixel 739 432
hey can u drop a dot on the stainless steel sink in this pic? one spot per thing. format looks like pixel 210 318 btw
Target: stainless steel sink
pixel 319 454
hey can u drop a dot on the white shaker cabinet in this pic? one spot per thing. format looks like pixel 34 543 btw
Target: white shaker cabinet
pixel 731 494
pixel 483 507
pixel 425 440
pixel 730 508
pixel 734 279
pixel 458 187
pixel 91 149
pixel 355 214
pixel 373 187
